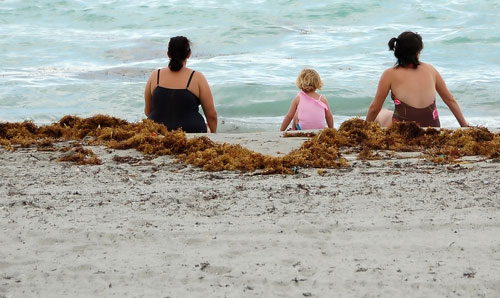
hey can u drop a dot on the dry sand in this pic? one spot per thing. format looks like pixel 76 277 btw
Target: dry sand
pixel 136 227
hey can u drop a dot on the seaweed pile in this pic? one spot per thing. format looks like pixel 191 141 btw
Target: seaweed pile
pixel 322 150
pixel 300 134
pixel 80 155
pixel 440 146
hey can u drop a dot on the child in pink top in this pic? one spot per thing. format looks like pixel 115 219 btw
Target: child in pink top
pixel 308 110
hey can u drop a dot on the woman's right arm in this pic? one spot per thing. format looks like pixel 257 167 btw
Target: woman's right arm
pixel 384 85
pixel 207 102
pixel 449 100
pixel 147 97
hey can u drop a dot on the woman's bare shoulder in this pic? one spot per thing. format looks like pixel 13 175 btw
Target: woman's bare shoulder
pixel 153 73
pixel 197 74
pixel 390 70
pixel 427 66
pixel 430 68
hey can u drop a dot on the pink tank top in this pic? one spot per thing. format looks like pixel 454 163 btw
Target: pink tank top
pixel 311 112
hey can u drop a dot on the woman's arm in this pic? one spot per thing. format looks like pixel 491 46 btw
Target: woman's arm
pixel 291 113
pixel 449 100
pixel 147 97
pixel 384 85
pixel 207 102
pixel 328 113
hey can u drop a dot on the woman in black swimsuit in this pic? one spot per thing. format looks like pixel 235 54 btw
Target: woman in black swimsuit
pixel 413 86
pixel 173 94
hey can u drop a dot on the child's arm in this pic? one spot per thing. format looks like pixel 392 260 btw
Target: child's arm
pixel 291 113
pixel 295 121
pixel 328 113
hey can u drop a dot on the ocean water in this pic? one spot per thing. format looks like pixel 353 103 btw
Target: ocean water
pixel 82 58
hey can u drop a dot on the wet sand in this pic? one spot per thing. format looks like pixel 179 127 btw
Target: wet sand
pixel 141 227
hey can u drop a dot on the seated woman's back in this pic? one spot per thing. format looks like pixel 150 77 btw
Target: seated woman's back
pixel 173 94
pixel 415 87
pixel 175 100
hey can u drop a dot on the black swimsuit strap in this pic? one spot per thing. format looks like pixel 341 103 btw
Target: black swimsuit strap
pixel 189 82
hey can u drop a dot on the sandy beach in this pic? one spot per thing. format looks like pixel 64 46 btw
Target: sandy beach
pixel 141 227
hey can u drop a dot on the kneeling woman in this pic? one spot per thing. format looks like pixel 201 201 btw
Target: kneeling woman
pixel 174 93
pixel 413 85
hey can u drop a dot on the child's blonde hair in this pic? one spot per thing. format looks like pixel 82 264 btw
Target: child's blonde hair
pixel 309 80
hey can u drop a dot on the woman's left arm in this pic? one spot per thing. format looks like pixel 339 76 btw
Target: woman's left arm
pixel 384 85
pixel 449 100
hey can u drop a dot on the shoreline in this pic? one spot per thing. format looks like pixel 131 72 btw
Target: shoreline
pixel 140 227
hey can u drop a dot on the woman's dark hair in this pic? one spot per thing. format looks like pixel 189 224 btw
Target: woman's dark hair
pixel 406 48
pixel 179 48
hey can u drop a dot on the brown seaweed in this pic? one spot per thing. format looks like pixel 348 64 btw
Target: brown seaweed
pixel 81 156
pixel 322 150
pixel 45 145
pixel 298 134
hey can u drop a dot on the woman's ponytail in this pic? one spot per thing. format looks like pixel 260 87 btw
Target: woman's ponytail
pixel 392 43
pixel 179 48
pixel 175 64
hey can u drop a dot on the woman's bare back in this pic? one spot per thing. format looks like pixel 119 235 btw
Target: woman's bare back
pixel 415 87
